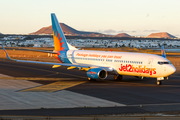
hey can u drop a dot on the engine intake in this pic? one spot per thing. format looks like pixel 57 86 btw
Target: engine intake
pixel 97 73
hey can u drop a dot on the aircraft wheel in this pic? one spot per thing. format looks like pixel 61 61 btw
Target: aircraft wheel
pixel 118 77
pixel 159 82
pixel 115 77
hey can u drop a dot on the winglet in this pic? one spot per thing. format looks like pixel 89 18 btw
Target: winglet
pixel 6 53
pixel 163 52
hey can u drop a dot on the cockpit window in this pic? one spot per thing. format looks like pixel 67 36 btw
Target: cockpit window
pixel 161 63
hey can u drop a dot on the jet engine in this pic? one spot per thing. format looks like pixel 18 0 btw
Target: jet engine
pixel 97 73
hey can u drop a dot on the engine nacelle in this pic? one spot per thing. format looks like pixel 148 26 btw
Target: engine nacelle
pixel 97 73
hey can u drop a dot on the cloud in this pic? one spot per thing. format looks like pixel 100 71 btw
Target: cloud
pixel 109 31
pixel 151 30
pixel 113 32
pixel 123 31
pixel 177 35
pixel 147 15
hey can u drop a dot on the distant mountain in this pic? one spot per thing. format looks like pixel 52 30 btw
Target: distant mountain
pixel 0 33
pixel 122 35
pixel 161 35
pixel 67 31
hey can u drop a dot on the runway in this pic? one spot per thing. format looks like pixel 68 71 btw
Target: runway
pixel 41 90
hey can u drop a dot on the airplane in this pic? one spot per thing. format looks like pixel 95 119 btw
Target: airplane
pixel 99 64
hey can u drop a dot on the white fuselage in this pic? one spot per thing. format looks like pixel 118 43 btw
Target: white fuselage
pixel 124 63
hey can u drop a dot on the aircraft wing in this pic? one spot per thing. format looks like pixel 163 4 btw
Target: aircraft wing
pixel 45 51
pixel 51 63
pixel 85 67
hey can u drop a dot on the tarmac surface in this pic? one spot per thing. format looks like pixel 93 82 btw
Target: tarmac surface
pixel 32 89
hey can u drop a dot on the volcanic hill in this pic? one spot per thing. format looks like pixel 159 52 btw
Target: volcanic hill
pixel 122 35
pixel 161 35
pixel 67 31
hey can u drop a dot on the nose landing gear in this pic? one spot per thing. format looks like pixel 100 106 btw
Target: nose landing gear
pixel 159 82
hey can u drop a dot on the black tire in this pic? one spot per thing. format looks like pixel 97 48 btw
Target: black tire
pixel 90 79
pixel 118 77
pixel 159 82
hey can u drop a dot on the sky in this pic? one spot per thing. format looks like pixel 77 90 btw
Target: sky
pixel 134 17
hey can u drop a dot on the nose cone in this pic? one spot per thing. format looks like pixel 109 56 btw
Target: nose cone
pixel 171 69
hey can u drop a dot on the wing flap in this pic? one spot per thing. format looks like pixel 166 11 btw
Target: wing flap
pixel 56 66
pixel 71 67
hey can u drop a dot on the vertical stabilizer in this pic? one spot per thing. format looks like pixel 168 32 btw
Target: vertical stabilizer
pixel 60 42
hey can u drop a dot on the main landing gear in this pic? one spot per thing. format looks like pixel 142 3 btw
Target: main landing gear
pixel 90 79
pixel 118 77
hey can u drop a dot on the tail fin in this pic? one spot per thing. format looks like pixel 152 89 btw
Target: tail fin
pixel 163 52
pixel 60 42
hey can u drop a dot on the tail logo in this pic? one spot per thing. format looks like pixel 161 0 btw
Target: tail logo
pixel 57 42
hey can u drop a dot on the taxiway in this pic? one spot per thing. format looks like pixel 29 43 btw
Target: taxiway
pixel 32 89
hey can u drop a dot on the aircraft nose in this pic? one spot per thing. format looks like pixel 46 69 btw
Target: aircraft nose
pixel 171 69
